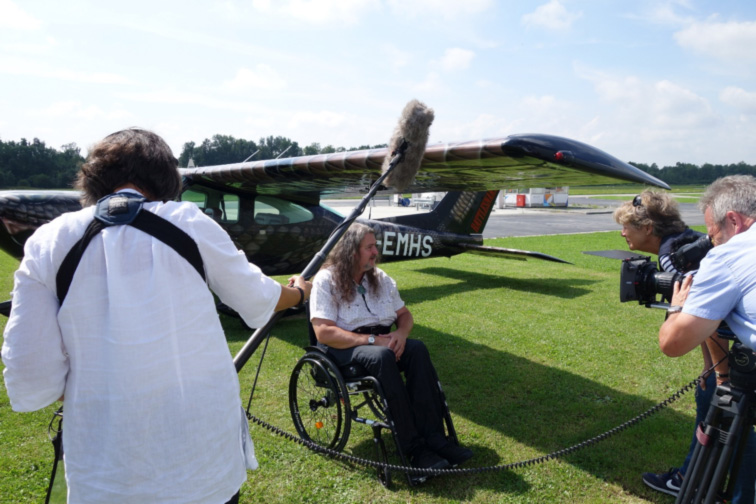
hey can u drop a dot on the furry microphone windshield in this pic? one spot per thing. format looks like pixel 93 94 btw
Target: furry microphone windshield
pixel 413 128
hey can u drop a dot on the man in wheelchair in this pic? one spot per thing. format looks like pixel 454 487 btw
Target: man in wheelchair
pixel 353 307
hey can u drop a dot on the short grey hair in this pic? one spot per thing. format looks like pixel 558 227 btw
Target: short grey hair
pixel 735 193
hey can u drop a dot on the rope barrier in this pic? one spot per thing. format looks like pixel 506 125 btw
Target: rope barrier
pixel 474 470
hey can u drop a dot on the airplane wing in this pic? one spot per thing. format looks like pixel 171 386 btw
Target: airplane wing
pixel 516 161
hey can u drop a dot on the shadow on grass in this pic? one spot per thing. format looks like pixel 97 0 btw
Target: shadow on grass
pixel 535 405
pixel 473 281
pixel 528 403
pixel 468 281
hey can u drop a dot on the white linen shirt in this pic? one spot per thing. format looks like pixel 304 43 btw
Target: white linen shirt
pixel 152 404
pixel 377 308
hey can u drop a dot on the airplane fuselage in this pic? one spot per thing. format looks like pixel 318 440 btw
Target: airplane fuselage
pixel 277 234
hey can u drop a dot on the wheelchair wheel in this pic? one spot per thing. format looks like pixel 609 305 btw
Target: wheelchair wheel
pixel 319 402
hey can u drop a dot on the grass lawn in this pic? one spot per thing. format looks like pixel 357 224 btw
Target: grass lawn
pixel 680 198
pixel 633 189
pixel 534 357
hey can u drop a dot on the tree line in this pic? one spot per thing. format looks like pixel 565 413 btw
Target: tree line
pixel 691 174
pixel 33 164
pixel 224 149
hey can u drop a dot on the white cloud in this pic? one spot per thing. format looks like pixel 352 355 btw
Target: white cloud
pixel 447 9
pixel 262 77
pixel 739 98
pixel 660 104
pixel 38 46
pixel 16 66
pixel 666 12
pixel 727 41
pixel 261 5
pixel 170 96
pixel 431 84
pixel 658 121
pixel 552 16
pixel 397 58
pixel 456 59
pixel 72 109
pixel 12 17
pixel 675 106
pixel 327 11
pixel 324 118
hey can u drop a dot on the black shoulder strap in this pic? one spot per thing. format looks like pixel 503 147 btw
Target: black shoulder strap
pixel 147 222
pixel 71 262
pixel 173 236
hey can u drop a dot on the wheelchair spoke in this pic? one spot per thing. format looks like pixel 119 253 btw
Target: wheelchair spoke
pixel 316 405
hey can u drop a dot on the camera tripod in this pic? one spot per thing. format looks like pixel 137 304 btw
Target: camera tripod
pixel 722 436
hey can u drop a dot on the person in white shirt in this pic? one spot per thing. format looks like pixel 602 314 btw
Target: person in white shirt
pixel 353 308
pixel 136 350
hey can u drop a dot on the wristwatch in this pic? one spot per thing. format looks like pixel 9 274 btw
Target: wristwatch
pixel 371 340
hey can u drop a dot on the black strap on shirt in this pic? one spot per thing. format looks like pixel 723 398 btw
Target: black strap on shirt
pixel 126 208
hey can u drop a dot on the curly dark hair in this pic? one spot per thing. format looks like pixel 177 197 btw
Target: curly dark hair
pixel 131 156
pixel 342 259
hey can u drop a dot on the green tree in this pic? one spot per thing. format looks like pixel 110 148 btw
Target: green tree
pixel 33 164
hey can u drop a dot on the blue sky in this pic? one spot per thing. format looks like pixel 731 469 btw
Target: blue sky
pixel 647 81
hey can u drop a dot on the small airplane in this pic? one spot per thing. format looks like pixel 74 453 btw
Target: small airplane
pixel 272 209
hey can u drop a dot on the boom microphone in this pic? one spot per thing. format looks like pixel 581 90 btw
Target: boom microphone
pixel 413 127
pixel 407 149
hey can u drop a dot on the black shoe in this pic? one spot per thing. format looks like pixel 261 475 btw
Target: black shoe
pixel 668 482
pixel 426 459
pixel 455 454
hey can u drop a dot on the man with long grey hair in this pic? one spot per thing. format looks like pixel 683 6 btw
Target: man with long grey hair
pixel 353 307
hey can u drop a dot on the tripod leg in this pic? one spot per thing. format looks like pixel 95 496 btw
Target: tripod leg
pixel 729 440
pixel 693 479
pixel 726 424
pixel 736 465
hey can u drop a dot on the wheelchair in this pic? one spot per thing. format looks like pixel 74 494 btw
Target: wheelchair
pixel 325 399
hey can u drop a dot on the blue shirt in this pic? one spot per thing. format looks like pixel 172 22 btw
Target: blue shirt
pixel 725 287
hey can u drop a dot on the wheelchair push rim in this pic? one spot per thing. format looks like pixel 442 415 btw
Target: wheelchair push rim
pixel 319 402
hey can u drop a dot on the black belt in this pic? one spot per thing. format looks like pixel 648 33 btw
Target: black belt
pixel 376 329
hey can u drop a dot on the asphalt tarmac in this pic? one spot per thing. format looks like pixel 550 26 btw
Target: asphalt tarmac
pixel 583 215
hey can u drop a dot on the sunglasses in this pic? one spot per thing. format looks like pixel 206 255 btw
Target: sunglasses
pixel 637 201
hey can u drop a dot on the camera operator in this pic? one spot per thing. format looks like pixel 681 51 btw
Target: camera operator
pixel 135 348
pixel 725 286
pixel 651 223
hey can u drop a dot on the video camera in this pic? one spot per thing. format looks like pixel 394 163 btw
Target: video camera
pixel 641 280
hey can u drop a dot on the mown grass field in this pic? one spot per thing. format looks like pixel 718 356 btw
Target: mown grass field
pixel 632 189
pixel 534 357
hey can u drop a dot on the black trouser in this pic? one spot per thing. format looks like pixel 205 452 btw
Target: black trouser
pixel 415 407
pixel 234 499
